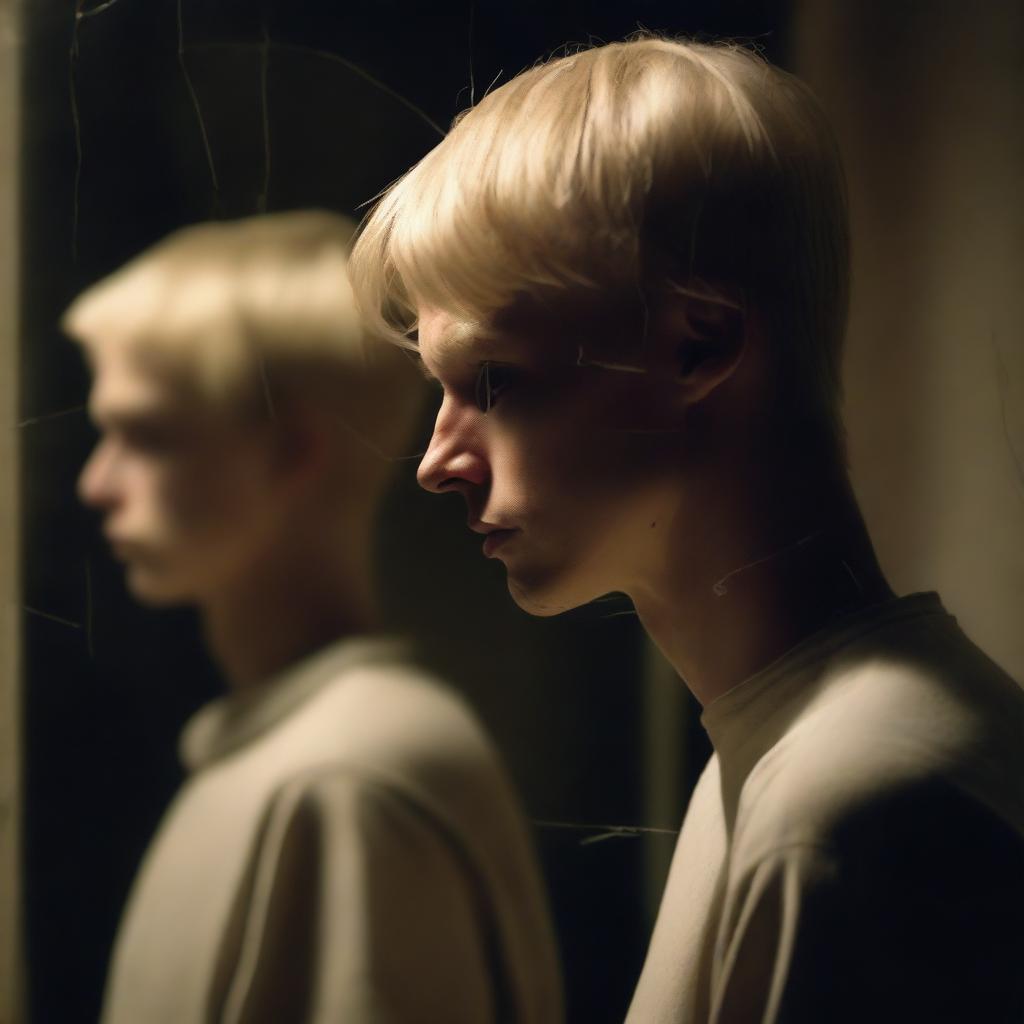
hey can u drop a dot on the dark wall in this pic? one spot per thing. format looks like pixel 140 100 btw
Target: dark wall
pixel 277 106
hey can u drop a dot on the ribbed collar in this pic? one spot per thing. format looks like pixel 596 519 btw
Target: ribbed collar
pixel 746 721
pixel 231 722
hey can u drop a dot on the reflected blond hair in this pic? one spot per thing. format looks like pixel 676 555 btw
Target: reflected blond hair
pixel 254 316
pixel 650 165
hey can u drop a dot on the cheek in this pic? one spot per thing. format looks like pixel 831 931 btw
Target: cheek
pixel 176 504
pixel 196 495
pixel 530 466
pixel 142 488
pixel 575 457
pixel 550 480
pixel 587 491
pixel 586 439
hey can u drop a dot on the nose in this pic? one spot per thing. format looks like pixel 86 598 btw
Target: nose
pixel 454 460
pixel 96 482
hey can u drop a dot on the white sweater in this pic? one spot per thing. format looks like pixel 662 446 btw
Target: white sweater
pixel 347 849
pixel 854 850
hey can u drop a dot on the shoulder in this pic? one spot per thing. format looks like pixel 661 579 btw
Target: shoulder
pixel 389 720
pixel 388 734
pixel 928 732
pixel 887 842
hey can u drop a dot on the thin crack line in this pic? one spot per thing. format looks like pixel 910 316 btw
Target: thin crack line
pixel 408 104
pixel 373 448
pixel 264 64
pixel 195 99
pixel 720 589
pixel 32 420
pixel 77 131
pixel 52 618
pixel 626 830
pixel 619 615
pixel 472 77
pixel 336 59
pixel 81 13
pixel 590 840
pixel 856 582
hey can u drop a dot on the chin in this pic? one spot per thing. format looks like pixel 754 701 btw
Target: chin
pixel 545 599
pixel 153 591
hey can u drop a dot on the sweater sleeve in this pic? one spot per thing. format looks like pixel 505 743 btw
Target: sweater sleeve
pixel 915 911
pixel 360 911
pixel 762 954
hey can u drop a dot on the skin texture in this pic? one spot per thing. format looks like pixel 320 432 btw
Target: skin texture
pixel 564 459
pixel 208 508
pixel 659 484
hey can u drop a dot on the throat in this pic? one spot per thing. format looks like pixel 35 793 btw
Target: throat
pixel 720 629
pixel 259 627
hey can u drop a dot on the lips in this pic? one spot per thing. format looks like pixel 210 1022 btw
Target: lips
pixel 495 539
pixel 494 535
pixel 121 547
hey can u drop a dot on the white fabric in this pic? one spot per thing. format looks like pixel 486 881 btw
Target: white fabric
pixel 347 849
pixel 854 850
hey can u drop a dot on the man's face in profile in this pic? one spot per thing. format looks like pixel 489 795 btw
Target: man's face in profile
pixel 567 466
pixel 183 491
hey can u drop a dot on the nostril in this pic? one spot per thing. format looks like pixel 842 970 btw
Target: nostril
pixel 450 468
pixel 432 482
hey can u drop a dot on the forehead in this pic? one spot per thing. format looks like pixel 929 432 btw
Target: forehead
pixel 122 384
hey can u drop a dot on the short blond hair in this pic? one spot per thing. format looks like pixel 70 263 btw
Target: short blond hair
pixel 252 315
pixel 648 164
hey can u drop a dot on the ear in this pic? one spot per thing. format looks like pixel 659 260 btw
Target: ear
pixel 704 341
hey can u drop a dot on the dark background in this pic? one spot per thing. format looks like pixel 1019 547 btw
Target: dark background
pixel 288 104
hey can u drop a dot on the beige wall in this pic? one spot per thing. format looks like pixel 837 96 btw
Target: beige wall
pixel 10 714
pixel 928 103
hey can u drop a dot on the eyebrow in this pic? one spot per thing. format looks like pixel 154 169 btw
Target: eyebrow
pixel 122 414
pixel 454 343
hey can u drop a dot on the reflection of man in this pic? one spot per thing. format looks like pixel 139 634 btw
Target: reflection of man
pixel 347 846
pixel 627 269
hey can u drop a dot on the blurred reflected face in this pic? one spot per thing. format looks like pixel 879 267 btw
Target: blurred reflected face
pixel 185 494
pixel 567 470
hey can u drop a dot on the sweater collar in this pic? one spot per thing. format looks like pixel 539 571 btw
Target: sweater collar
pixel 748 720
pixel 231 722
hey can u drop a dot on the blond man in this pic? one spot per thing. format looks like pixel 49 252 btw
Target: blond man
pixel 627 269
pixel 347 846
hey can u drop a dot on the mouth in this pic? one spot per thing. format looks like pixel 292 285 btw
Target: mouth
pixel 120 547
pixel 119 551
pixel 494 540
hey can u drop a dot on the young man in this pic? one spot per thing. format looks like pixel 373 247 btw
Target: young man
pixel 347 846
pixel 627 269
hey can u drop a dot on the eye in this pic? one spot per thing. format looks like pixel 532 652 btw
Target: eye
pixel 150 437
pixel 492 380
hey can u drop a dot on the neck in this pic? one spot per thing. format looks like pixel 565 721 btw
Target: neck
pixel 754 585
pixel 290 605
